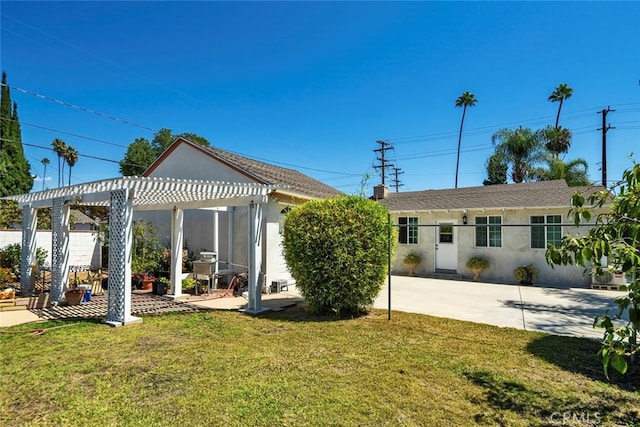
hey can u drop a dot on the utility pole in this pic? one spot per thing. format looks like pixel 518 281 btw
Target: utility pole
pixel 396 181
pixel 384 162
pixel 604 130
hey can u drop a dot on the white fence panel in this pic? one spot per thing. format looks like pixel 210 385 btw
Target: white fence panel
pixel 83 245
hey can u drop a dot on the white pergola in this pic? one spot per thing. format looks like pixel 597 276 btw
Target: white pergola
pixel 124 196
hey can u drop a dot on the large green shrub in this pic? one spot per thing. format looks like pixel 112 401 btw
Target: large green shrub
pixel 146 253
pixel 10 257
pixel 336 250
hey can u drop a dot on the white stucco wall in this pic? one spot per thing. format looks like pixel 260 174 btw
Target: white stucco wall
pixel 276 267
pixel 186 162
pixel 515 250
pixel 84 248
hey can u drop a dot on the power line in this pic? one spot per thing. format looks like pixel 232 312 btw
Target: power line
pixel 276 162
pixel 90 53
pixel 345 174
pixel 104 159
pixel 148 128
pixel 579 114
pixel 415 139
pixel 79 108
pixel 88 138
pixel 444 135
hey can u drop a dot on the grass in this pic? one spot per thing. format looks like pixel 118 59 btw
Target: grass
pixel 291 369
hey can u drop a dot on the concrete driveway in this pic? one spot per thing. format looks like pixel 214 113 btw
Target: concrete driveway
pixel 559 311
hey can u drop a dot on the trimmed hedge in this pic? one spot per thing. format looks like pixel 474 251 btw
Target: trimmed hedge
pixel 336 250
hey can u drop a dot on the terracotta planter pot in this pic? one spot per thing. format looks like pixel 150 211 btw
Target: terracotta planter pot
pixel 142 281
pixel 412 269
pixel 476 273
pixel 147 284
pixel 74 296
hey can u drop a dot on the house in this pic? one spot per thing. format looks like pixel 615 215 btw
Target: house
pixel 509 224
pixel 224 229
pixel 78 221
pixel 82 222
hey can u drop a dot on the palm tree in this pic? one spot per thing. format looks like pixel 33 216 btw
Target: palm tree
pixel 71 157
pixel 562 92
pixel 465 100
pixel 558 140
pixel 574 172
pixel 522 149
pixel 59 147
pixel 45 162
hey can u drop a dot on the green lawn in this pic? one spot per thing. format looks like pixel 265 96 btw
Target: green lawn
pixel 290 369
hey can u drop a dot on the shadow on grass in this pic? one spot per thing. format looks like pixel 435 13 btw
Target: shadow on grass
pixel 540 407
pixel 579 355
pixel 300 313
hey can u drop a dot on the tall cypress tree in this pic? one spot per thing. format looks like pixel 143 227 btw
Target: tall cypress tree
pixel 5 112
pixel 15 171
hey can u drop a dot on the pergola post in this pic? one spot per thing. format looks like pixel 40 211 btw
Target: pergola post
pixel 255 259
pixel 216 247
pixel 28 249
pixel 120 244
pixel 230 219
pixel 59 249
pixel 177 237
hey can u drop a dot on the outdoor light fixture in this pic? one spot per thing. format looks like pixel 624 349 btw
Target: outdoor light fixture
pixel 464 219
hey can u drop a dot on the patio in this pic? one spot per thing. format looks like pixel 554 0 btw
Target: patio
pixel 144 303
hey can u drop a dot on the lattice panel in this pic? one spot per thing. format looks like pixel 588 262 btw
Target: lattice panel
pixel 56 250
pixel 119 239
pixel 27 256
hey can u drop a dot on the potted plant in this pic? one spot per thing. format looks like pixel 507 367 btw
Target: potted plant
pixel 189 284
pixel 146 255
pixel 73 295
pixel 411 260
pixel 161 286
pixel 142 281
pixel 477 265
pixel 525 274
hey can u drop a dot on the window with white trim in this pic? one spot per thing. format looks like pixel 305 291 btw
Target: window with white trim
pixel 544 232
pixel 489 231
pixel 408 230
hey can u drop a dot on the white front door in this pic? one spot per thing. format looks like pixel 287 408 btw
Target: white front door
pixel 446 246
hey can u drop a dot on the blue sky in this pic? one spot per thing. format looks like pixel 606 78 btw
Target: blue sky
pixel 314 85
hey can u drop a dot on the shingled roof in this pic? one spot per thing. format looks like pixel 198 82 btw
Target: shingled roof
pixel 525 195
pixel 262 173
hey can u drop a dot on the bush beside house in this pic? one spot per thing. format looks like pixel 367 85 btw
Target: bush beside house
pixel 477 264
pixel 337 250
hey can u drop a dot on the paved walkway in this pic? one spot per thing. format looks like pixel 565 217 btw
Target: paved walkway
pixel 534 308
